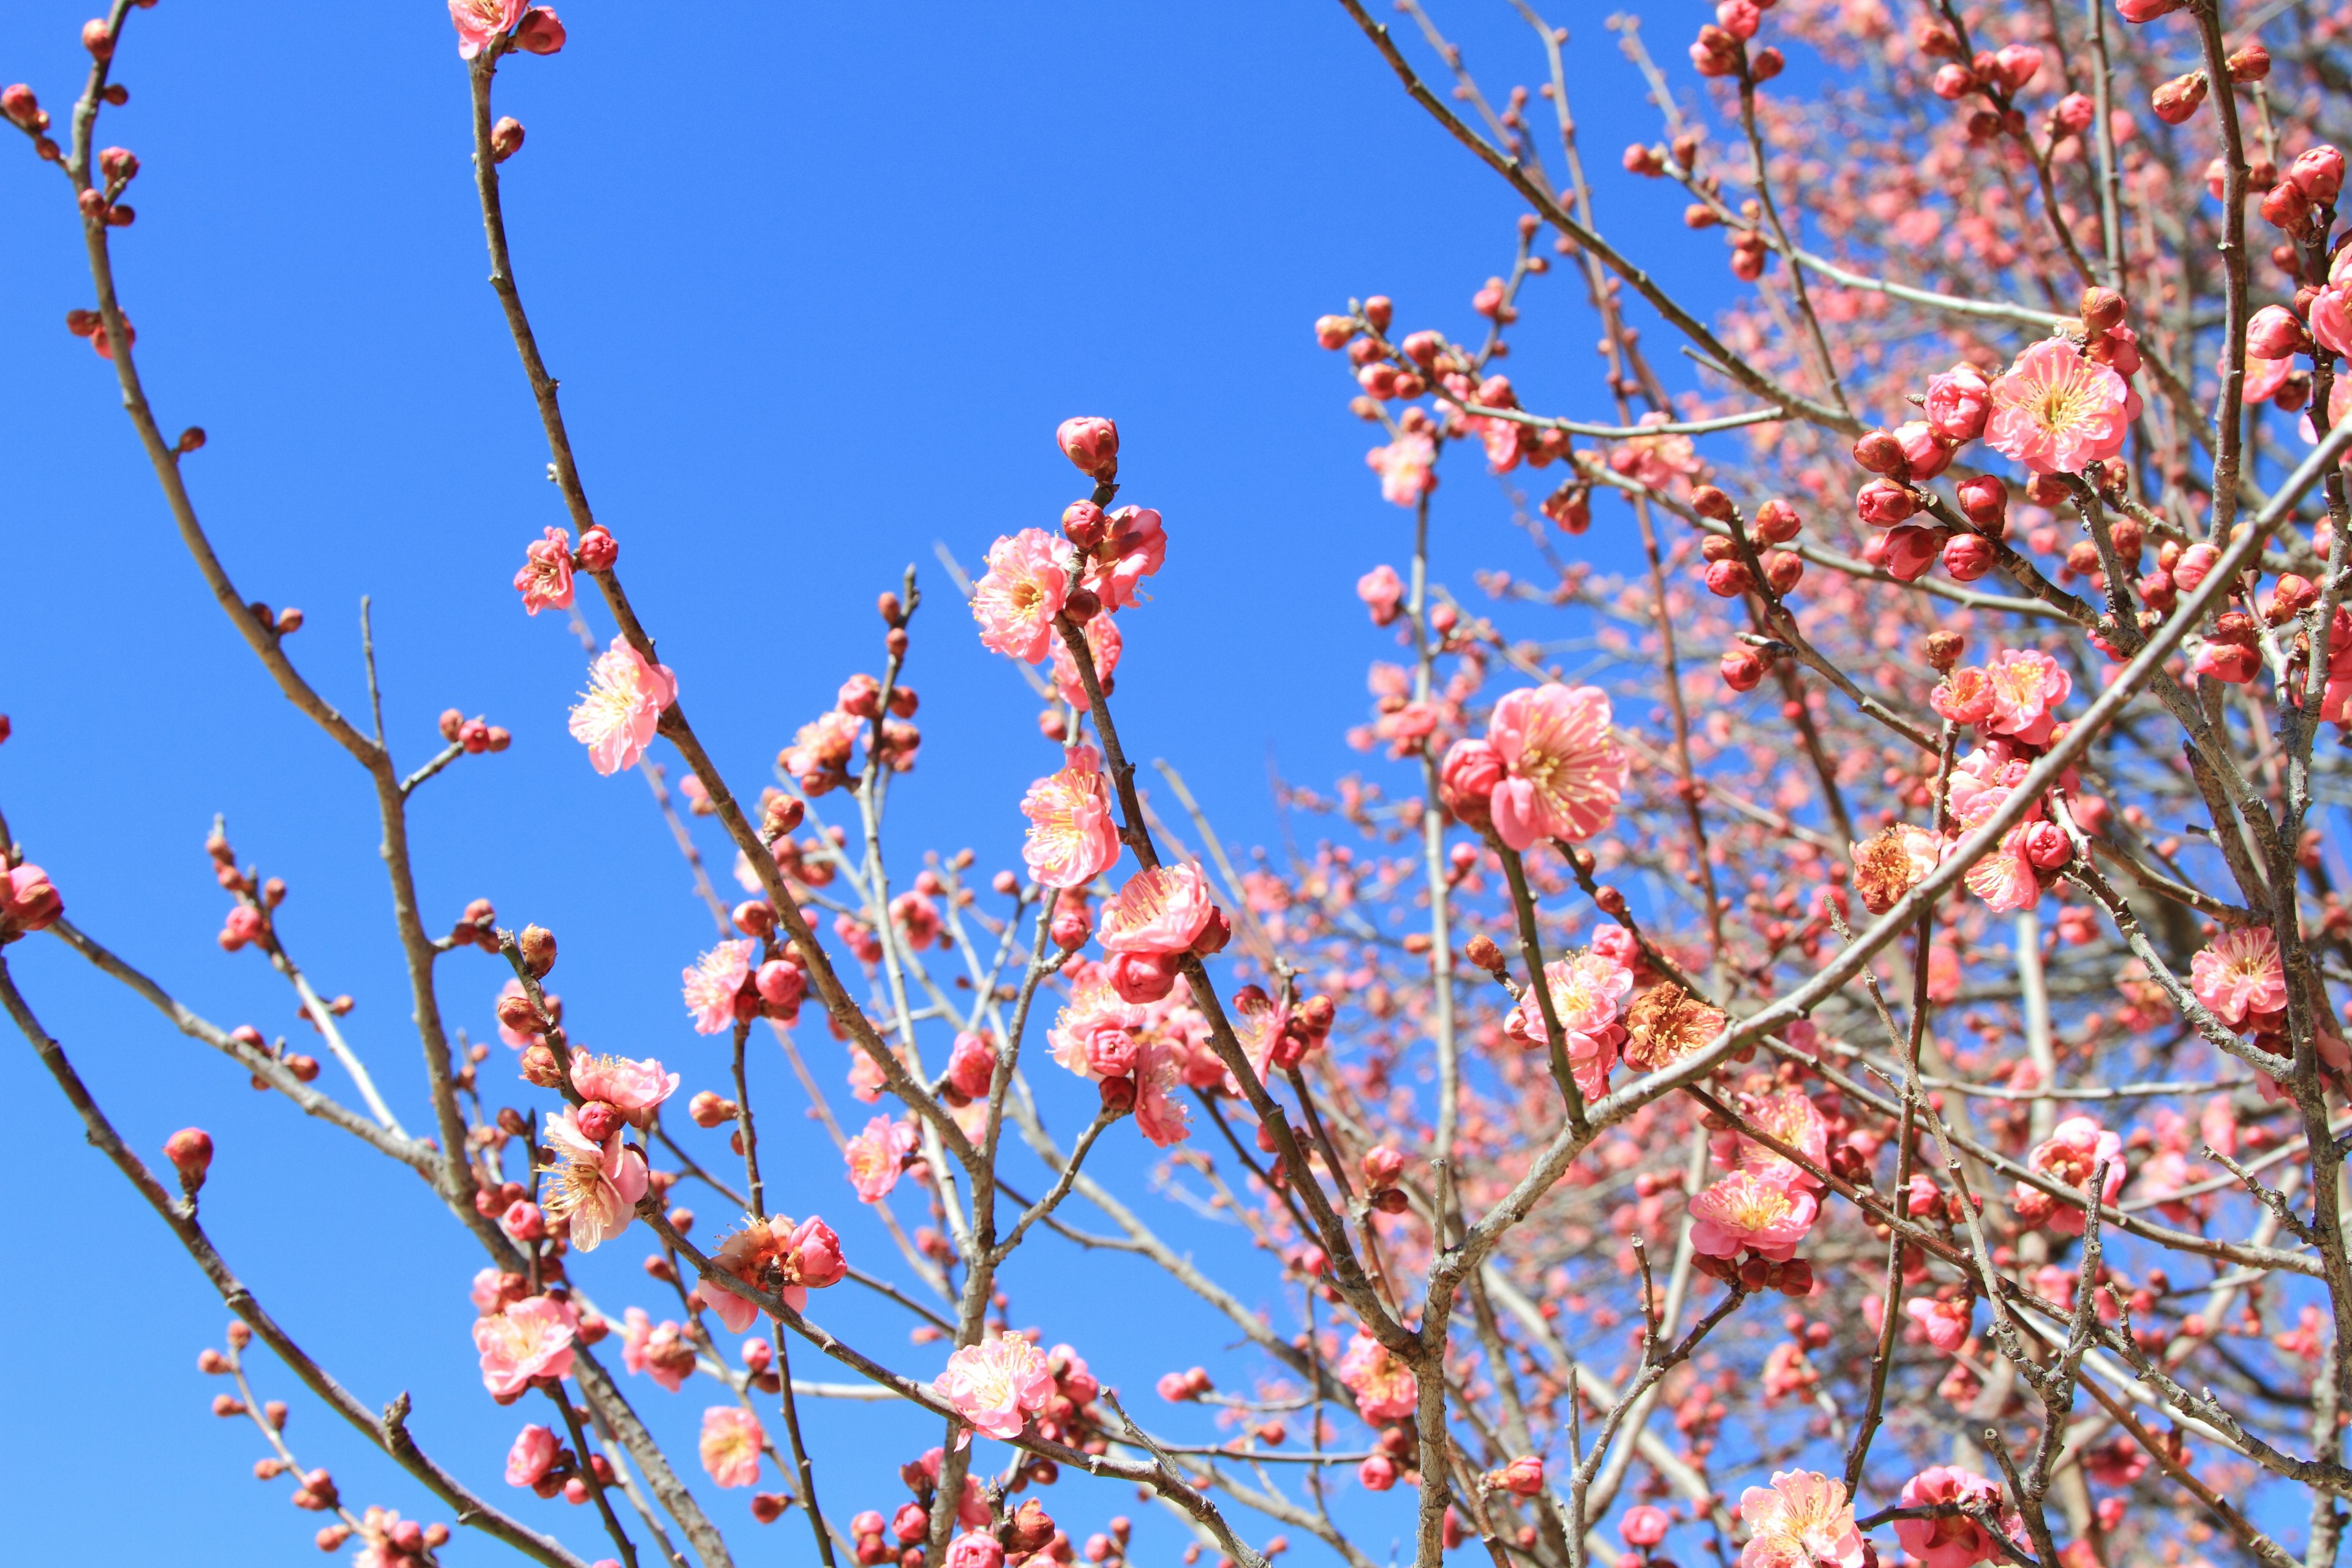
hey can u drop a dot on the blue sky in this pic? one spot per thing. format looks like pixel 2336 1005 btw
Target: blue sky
pixel 819 283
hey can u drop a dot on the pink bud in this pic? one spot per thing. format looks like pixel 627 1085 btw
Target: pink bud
pixel 522 1221
pixel 190 1150
pixel 780 984
pixel 1883 503
pixel 598 1120
pixel 2016 65
pixel 1777 523
pixel 540 33
pixel 2177 99
pixel 1092 445
pixel 2275 334
pixel 1643 1526
pixel 19 104
pixel 1740 18
pixel 2076 112
pixel 1952 82
pixel 1378 1473
pixel 2195 563
pixel 506 139
pixel 1910 551
pixel 1967 556
pixel 2318 173
pixel 97 40
pixel 1333 331
pixel 1730 579
pixel 2045 845
pixel 597 550
pixel 1984 500
pixel 1382 1165
pixel 1741 668
pixel 1927 449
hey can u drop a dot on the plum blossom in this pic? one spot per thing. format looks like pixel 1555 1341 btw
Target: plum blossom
pixel 875 1156
pixel 596 1186
pixel 1072 838
pixel 2025 685
pixel 1664 1024
pixel 635 1088
pixel 818 758
pixel 1588 993
pixel 545 579
pixel 1159 1115
pixel 1384 1387
pixel 2072 1156
pixel 660 1349
pixel 531 1339
pixel 617 716
pixel 773 1255
pixel 1382 592
pixel 997 1385
pixel 1029 580
pixel 731 1439
pixel 1958 402
pixel 1954 1541
pixel 1103 646
pixel 1563 770
pixel 1162 910
pixel 1892 862
pixel 480 21
pixel 2058 411
pixel 1945 1323
pixel 1742 1210
pixel 1801 1520
pixel 1096 1036
pixel 1134 548
pixel 2240 974
pixel 712 985
pixel 532 1456
pixel 1406 467
pixel 1788 1115
pixel 2005 877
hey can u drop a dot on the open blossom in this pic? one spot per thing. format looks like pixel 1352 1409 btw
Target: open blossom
pixel 2057 412
pixel 532 1456
pixel 480 21
pixel 1954 1541
pixel 1028 582
pixel 997 1385
pixel 1801 1520
pixel 714 983
pixel 821 749
pixel 1664 1024
pixel 1161 1114
pixel 596 1186
pixel 1133 550
pixel 1404 466
pixel 2004 877
pixel 1945 1323
pixel 1384 1387
pixel 1741 1210
pixel 1382 592
pixel 1103 645
pixel 1588 994
pixel 2026 685
pixel 1072 838
pixel 1891 863
pixel 615 717
pixel 632 1088
pixel 773 1255
pixel 545 580
pixel 1163 910
pixel 1096 1036
pixel 1563 770
pixel 731 1437
pixel 1787 1116
pixel 2072 1156
pixel 532 1337
pixel 660 1349
pixel 875 1156
pixel 2240 974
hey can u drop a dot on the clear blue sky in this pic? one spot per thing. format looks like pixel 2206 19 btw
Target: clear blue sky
pixel 819 282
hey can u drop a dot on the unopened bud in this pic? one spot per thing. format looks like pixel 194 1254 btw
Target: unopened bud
pixel 506 139
pixel 190 1150
pixel 537 946
pixel 1483 953
pixel 2102 309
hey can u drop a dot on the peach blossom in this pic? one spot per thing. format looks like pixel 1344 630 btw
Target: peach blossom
pixel 1742 1210
pixel 996 1385
pixel 597 1185
pixel 2240 974
pixel 1384 1387
pixel 1162 910
pixel 545 580
pixel 875 1156
pixel 635 1088
pixel 732 1440
pixel 531 1339
pixel 617 716
pixel 2058 411
pixel 1563 768
pixel 1028 581
pixel 712 985
pixel 1801 1520
pixel 1072 838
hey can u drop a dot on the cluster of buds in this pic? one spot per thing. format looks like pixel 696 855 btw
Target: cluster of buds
pixel 473 734
pixel 92 324
pixel 1756 1273
pixel 1395 1456
pixel 818 759
pixel 2304 200
pixel 478 926
pixel 1721 46
pixel 249 920
pixel 546 1464
pixel 117 167
pixel 304 1068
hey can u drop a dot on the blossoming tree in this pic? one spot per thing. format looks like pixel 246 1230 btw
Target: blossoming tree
pixel 1857 1067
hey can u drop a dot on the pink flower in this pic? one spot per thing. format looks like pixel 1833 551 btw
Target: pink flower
pixel 661 1350
pixel 632 1088
pixel 2071 1155
pixel 532 1456
pixel 1955 1541
pixel 1103 645
pixel 996 1385
pixel 1644 1525
pixel 1134 550
pixel 617 716
pixel 597 1185
pixel 1382 592
pixel 1790 1117
pixel 2240 974
pixel 1801 1520
pixel 778 1256
pixel 1072 838
pixel 732 1440
pixel 2057 412
pixel 974 1550
pixel 2025 685
pixel 545 580
pixel 1467 781
pixel 1028 582
pixel 1742 1211
pixel 28 903
pixel 712 985
pixel 532 1337
pixel 1563 769
pixel 1161 911
pixel 1384 1387
pixel 1945 1323
pixel 875 1156
pixel 2005 879
pixel 1404 466
pixel 1159 1115
pixel 819 754
pixel 480 21
pixel 1094 1036
pixel 1957 402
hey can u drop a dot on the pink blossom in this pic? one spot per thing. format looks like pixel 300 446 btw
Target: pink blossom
pixel 1957 402
pixel 478 22
pixel 531 1339
pixel 1954 1541
pixel 974 1549
pixel 1072 838
pixel 712 985
pixel 875 1156
pixel 1384 1387
pixel 1381 591
pixel 2240 974
pixel 545 580
pixel 2057 412
pixel 1788 1115
pixel 820 750
pixel 996 1385
pixel 617 716
pixel 1563 768
pixel 661 1349
pixel 1094 1036
pixel 2005 877
pixel 1162 910
pixel 1945 1323
pixel 773 1255
pixel 1801 1520
pixel 1028 582
pixel 2071 1155
pixel 732 1440
pixel 596 1186
pixel 2026 684
pixel 532 1456
pixel 1644 1524
pixel 1134 550
pixel 1103 646
pixel 1405 466
pixel 1159 1115
pixel 1741 1210
pixel 632 1088
pixel 28 901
